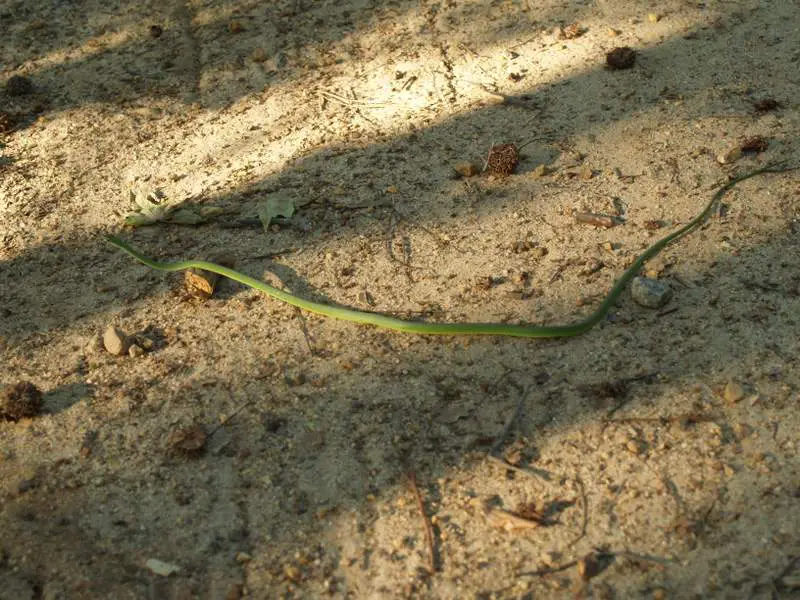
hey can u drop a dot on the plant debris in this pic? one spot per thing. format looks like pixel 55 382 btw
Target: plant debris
pixel 188 441
pixel 503 159
pixel 7 122
pixel 596 219
pixel 754 145
pixel 19 401
pixel 570 32
pixel 766 105
pixel 620 58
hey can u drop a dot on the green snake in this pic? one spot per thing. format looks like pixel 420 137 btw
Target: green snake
pixel 423 327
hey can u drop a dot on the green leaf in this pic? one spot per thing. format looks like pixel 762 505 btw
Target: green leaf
pixel 277 205
pixel 153 207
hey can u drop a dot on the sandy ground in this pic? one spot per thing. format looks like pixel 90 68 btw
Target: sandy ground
pixel 261 453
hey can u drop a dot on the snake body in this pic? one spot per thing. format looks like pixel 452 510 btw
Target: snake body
pixel 423 327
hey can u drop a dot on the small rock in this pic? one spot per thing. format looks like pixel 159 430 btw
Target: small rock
pixel 540 171
pixel 115 341
pixel 570 32
pixel 243 557
pixel 292 573
pixel 159 567
pixel 188 441
pixel 741 431
pixel 636 447
pixel 200 284
pixel 589 567
pixel 20 401
pixel 586 172
pixel 791 582
pixel 467 169
pixel 19 85
pixel 235 27
pixel 135 351
pixel 259 55
pixel 733 392
pixel 731 155
pixel 650 293
pixel 653 17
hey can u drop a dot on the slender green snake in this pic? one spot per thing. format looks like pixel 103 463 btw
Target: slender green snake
pixel 421 327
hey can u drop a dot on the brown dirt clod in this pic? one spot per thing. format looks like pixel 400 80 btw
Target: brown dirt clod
pixel 621 58
pixel 20 401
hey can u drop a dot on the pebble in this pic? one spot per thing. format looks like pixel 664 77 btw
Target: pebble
pixel 259 55
pixel 650 293
pixel 159 567
pixel 741 431
pixel 540 171
pixel 135 351
pixel 729 156
pixel 636 447
pixel 115 341
pixel 733 392
pixel 467 169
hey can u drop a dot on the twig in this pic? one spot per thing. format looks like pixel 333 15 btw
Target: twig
pixel 529 471
pixel 228 418
pixel 492 456
pixel 598 554
pixel 509 100
pixel 412 479
pixel 643 557
pixel 557 273
pixel 585 502
pixel 548 570
pixel 597 219
pixel 498 441
pixel 275 254
pixel 350 103
pixel 306 334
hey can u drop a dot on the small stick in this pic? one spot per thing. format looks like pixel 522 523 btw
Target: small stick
pixel 585 502
pixel 228 418
pixel 596 219
pixel 509 424
pixel 548 570
pixel 601 554
pixel 530 471
pixel 306 334
pixel 412 479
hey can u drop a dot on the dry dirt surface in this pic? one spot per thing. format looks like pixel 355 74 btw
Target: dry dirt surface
pixel 237 448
